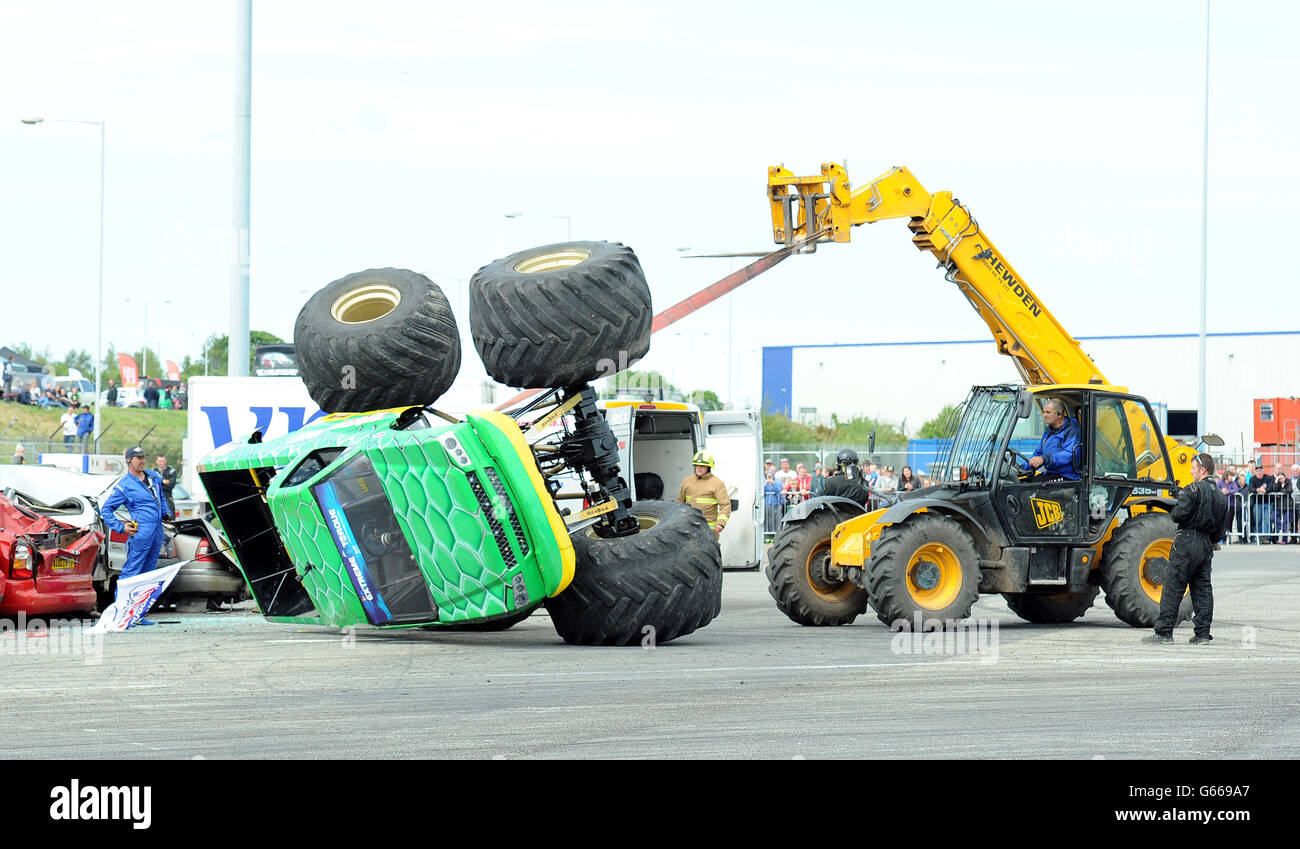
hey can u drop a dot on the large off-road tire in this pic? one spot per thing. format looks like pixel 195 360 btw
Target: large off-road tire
pixel 501 623
pixel 560 315
pixel 926 566
pixel 377 339
pixel 1051 608
pixel 646 589
pixel 1134 552
pixel 796 574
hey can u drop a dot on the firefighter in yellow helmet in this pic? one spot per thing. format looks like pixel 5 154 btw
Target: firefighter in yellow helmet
pixel 706 492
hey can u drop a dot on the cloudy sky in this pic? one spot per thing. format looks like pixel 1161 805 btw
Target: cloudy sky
pixel 400 134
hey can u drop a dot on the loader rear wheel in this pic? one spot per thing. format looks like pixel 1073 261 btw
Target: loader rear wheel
pixel 797 578
pixel 656 585
pixel 1132 567
pixel 377 339
pixel 560 315
pixel 1051 608
pixel 924 569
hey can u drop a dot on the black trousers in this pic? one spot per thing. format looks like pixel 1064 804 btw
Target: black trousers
pixel 1189 565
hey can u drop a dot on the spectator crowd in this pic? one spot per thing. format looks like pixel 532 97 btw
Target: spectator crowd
pixel 1265 502
pixel 785 487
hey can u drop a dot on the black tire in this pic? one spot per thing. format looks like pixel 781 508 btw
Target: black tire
pixel 924 546
pixel 105 593
pixel 654 586
pixel 560 315
pixel 1051 608
pixel 1125 569
pixel 796 577
pixel 500 623
pixel 377 339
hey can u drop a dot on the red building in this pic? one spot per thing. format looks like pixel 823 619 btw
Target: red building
pixel 1277 430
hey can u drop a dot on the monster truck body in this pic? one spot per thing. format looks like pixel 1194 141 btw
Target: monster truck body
pixel 391 520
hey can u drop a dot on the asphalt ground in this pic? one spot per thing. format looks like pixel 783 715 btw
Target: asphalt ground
pixel 750 685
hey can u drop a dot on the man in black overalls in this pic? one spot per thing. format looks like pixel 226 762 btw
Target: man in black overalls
pixel 1199 516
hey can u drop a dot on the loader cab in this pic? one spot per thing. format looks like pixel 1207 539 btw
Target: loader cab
pixel 1119 454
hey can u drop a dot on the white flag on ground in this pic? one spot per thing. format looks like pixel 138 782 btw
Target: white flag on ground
pixel 135 595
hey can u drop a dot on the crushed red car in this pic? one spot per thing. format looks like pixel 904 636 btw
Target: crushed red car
pixel 45 565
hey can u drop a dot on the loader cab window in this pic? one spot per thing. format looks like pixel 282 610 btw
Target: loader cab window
pixel 1028 431
pixel 1127 453
pixel 1127 444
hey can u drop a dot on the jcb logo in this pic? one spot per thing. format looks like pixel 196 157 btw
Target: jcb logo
pixel 1046 513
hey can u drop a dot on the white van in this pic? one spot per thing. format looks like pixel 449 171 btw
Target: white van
pixel 84 387
pixel 656 441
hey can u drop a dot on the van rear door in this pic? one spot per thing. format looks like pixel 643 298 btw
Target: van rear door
pixel 735 437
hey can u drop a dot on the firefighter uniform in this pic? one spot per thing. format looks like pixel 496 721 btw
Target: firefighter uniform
pixel 708 494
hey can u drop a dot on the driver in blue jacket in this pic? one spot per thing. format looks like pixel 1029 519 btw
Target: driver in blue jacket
pixel 141 491
pixel 1055 454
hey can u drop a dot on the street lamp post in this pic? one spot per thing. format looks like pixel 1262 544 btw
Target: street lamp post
pixel 1202 422
pixel 731 313
pixel 144 329
pixel 568 222
pixel 99 321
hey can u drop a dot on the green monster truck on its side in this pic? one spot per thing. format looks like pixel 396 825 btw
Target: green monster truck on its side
pixel 404 517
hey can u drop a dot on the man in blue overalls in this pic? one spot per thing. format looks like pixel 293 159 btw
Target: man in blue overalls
pixel 140 490
pixel 1055 454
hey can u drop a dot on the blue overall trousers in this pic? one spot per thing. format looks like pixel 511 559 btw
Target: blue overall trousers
pixel 147 509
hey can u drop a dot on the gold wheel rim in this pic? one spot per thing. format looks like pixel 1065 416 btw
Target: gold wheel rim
pixel 921 568
pixel 1159 548
pixel 833 593
pixel 646 523
pixel 368 303
pixel 553 261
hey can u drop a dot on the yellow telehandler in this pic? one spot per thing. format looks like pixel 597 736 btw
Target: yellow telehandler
pixel 988 523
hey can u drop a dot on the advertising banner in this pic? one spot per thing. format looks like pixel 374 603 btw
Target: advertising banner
pixel 129 373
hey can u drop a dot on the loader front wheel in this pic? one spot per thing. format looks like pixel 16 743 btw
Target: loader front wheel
pixel 924 571
pixel 1133 567
pixel 797 575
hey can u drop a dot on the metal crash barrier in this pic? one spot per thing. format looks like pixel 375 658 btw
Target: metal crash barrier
pixel 1266 517
pixel 777 504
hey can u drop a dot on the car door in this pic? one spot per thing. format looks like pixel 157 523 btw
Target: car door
pixel 1042 508
pixel 1128 452
pixel 735 438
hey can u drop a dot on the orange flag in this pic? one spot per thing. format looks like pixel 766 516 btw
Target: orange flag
pixel 129 372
